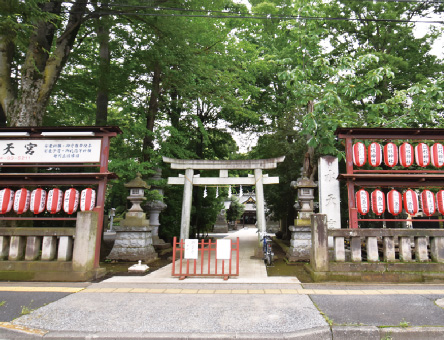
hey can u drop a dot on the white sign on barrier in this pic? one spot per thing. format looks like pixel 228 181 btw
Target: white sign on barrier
pixel 50 150
pixel 191 249
pixel 223 249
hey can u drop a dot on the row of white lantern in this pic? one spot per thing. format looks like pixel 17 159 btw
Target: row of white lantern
pixel 23 200
pixel 406 154
pixel 394 202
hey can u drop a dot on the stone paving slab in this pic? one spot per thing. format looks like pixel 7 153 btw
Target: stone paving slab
pixel 176 313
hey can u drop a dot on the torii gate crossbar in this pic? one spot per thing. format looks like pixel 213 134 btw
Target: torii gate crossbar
pixel 223 166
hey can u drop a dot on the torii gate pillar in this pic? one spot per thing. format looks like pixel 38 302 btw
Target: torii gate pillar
pixel 260 201
pixel 186 204
pixel 223 166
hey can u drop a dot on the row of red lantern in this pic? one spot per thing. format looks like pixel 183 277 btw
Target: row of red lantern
pixel 394 202
pixel 36 201
pixel 406 154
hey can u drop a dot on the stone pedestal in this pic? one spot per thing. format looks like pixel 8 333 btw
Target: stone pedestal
pixel 133 240
pixel 300 243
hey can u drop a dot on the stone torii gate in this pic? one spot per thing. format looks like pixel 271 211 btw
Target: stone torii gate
pixel 223 166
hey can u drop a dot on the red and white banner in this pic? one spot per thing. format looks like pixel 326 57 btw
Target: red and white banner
pixel 87 199
pixel 394 202
pixel 440 201
pixel 378 202
pixel 359 154
pixel 54 202
pixel 363 201
pixel 21 200
pixel 406 155
pixel 6 200
pixel 437 155
pixel 411 204
pixel 428 202
pixel 422 154
pixel 390 154
pixel 38 201
pixel 71 201
pixel 375 154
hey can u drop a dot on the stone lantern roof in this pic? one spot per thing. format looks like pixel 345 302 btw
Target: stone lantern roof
pixel 137 182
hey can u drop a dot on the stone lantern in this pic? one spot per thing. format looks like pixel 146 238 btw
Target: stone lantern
pixel 300 243
pixel 137 194
pixel 134 235
pixel 305 188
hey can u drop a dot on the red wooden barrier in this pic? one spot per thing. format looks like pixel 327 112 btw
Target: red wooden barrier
pixel 207 263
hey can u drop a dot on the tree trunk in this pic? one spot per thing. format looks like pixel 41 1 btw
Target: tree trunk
pixel 153 107
pixel 41 70
pixel 6 89
pixel 104 69
pixel 308 168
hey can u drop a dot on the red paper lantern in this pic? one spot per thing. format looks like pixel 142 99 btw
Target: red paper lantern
pixel 375 154
pixel 54 202
pixel 406 155
pixel 440 200
pixel 38 201
pixel 411 202
pixel 437 155
pixel 390 154
pixel 394 202
pixel 71 201
pixel 378 202
pixel 6 200
pixel 422 154
pixel 428 202
pixel 87 199
pixel 359 154
pixel 363 201
pixel 21 200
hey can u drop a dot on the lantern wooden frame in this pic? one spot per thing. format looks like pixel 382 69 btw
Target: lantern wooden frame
pixel 380 178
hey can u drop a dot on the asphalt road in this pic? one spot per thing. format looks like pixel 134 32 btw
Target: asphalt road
pixel 16 304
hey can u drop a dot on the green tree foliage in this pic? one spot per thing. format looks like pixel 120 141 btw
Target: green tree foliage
pixel 178 83
pixel 235 211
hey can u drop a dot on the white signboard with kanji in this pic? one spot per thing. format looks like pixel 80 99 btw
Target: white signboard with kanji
pixel 50 151
pixel 223 249
pixel 191 249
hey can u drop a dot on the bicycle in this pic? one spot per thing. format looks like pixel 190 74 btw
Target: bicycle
pixel 267 249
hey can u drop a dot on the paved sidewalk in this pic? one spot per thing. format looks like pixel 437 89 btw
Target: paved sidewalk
pixel 252 306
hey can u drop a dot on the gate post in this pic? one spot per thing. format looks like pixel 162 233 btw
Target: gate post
pixel 319 237
pixel 260 210
pixel 186 205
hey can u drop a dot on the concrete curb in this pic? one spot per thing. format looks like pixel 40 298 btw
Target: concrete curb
pixel 317 333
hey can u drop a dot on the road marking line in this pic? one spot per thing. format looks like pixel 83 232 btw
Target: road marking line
pixel 226 291
pixel 23 329
pixel 42 289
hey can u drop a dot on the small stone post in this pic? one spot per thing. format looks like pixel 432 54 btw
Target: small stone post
pixel 85 245
pixel 319 249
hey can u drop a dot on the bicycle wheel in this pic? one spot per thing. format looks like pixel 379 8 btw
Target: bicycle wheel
pixel 268 259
